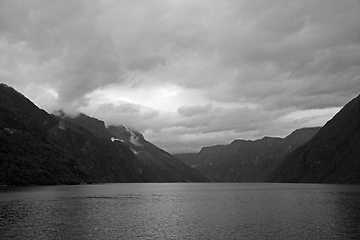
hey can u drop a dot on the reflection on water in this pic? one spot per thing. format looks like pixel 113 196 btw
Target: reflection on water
pixel 181 211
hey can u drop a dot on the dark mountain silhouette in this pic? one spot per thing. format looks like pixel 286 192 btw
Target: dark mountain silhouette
pixel 40 148
pixel 244 160
pixel 331 156
pixel 187 158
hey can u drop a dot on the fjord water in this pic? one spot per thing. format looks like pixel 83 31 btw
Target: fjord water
pixel 181 211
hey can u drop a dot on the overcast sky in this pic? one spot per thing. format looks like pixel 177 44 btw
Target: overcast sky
pixel 186 73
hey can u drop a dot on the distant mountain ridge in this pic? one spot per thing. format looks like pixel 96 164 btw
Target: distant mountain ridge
pixel 246 160
pixel 331 156
pixel 327 155
pixel 40 148
pixel 156 164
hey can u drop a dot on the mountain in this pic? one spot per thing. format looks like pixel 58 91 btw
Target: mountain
pixel 24 145
pixel 40 148
pixel 155 164
pixel 187 158
pixel 245 160
pixel 331 156
pixel 158 164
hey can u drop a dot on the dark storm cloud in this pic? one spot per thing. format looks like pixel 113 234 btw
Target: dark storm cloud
pixel 65 41
pixel 240 67
pixel 293 48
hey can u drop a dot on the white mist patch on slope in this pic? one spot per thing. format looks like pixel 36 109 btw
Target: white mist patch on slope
pixel 116 139
pixel 134 151
pixel 133 138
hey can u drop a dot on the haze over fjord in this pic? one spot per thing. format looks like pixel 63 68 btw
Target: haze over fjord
pixel 186 74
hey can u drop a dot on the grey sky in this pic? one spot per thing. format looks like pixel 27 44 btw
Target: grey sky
pixel 186 73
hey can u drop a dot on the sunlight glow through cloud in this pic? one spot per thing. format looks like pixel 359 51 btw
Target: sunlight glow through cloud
pixel 186 73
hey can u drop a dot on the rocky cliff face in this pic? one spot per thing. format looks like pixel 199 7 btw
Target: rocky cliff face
pixel 331 156
pixel 247 161
pixel 40 148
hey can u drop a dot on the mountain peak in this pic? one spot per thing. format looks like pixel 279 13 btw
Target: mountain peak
pixel 8 90
pixel 94 125
pixel 4 85
pixel 210 149
pixel 90 120
pixel 267 138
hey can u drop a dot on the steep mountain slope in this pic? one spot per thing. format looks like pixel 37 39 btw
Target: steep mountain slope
pixel 39 148
pixel 331 156
pixel 158 164
pixel 247 161
pixel 25 149
pixel 102 160
pixel 155 164
pixel 187 158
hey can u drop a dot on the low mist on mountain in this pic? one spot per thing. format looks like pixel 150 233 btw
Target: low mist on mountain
pixel 41 148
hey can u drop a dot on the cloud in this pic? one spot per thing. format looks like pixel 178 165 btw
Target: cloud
pixel 188 111
pixel 61 40
pixel 185 73
pixel 125 113
pixel 289 48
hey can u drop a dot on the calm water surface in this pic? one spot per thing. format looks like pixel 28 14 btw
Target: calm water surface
pixel 181 211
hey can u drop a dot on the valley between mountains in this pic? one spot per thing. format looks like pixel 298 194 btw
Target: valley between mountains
pixel 41 148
